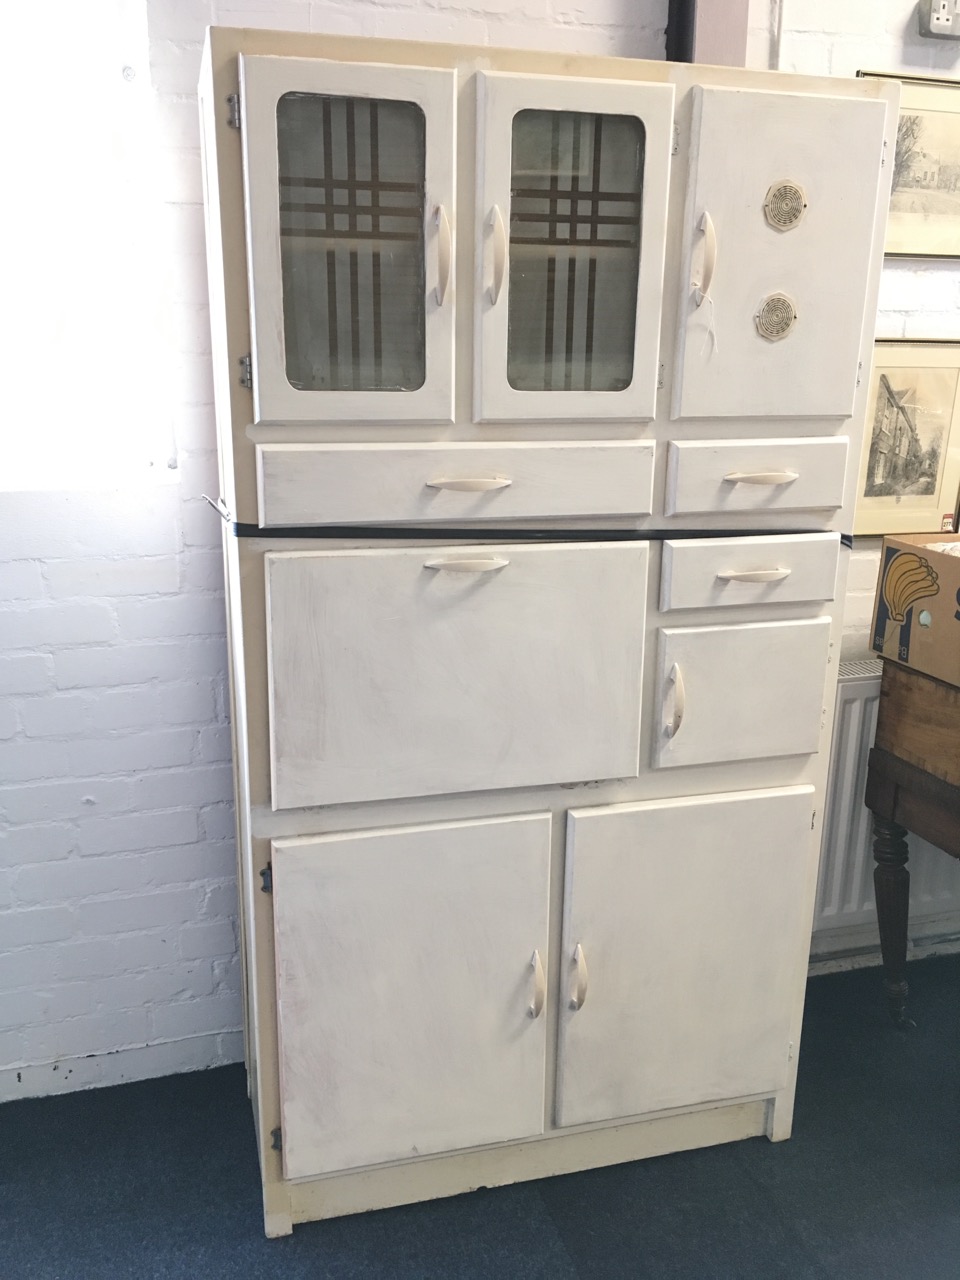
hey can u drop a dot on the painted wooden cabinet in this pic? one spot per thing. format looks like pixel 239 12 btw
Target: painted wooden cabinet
pixel 537 394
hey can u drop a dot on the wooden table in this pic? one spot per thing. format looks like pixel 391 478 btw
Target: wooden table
pixel 913 785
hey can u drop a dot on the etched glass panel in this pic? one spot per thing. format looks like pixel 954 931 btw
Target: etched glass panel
pixel 576 187
pixel 352 190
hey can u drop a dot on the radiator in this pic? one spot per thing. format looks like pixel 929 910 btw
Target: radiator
pixel 845 918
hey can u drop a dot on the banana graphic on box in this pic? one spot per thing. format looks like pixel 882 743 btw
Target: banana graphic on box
pixel 909 578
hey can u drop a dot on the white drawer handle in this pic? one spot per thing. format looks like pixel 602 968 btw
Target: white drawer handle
pixel 761 477
pixel 468 564
pixel 672 726
pixel 539 987
pixel 754 575
pixel 702 287
pixel 444 253
pixel 580 993
pixel 499 252
pixel 470 484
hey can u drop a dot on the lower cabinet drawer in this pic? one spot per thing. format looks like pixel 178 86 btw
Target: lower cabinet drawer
pixel 433 670
pixel 755 475
pixel 411 989
pixel 700 573
pixel 314 484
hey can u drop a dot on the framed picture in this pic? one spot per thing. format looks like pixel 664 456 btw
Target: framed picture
pixel 924 218
pixel 910 466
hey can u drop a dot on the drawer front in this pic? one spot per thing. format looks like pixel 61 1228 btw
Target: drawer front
pixel 306 484
pixel 434 670
pixel 755 475
pixel 744 692
pixel 700 573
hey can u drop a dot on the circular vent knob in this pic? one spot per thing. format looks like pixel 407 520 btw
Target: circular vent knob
pixel 784 205
pixel 776 317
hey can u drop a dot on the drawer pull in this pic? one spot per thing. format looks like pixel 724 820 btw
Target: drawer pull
pixel 470 484
pixel 701 287
pixel 499 252
pixel 468 564
pixel 580 992
pixel 444 253
pixel 539 987
pixel 762 477
pixel 672 726
pixel 754 575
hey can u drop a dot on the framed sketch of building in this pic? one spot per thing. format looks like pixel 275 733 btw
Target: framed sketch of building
pixel 910 468
pixel 924 219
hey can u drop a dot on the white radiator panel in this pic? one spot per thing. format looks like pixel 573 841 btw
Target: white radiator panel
pixel 845 898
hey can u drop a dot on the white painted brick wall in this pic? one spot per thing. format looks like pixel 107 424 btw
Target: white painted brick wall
pixel 117 887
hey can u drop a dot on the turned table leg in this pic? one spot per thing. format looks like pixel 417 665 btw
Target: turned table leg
pixel 891 882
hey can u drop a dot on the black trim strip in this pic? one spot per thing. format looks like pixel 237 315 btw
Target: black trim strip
pixel 445 533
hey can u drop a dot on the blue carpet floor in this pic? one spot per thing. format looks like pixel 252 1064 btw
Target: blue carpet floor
pixel 159 1180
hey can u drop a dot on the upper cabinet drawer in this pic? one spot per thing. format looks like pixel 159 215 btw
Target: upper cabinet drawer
pixel 349 181
pixel 307 484
pixel 572 179
pixel 755 475
pixel 701 573
pixel 778 243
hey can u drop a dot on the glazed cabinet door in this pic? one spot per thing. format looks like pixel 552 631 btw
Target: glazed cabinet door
pixel 683 944
pixel 571 217
pixel 433 670
pixel 778 239
pixel 743 692
pixel 349 179
pixel 411 990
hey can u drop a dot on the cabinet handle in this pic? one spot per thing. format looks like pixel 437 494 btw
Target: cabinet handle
pixel 702 287
pixel 761 477
pixel 499 252
pixel 754 575
pixel 468 564
pixel 580 993
pixel 470 484
pixel 444 253
pixel 539 986
pixel 672 726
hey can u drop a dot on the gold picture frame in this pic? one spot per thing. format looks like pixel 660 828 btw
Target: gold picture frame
pixel 910 462
pixel 924 216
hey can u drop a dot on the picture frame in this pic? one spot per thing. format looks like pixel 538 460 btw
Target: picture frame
pixel 924 216
pixel 910 462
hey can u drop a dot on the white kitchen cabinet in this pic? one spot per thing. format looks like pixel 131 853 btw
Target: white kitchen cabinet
pixel 777 253
pixel 349 183
pixel 571 219
pixel 684 913
pixel 528 519
pixel 741 692
pixel 411 990
pixel 429 671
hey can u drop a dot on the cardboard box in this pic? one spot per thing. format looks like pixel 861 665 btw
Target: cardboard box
pixel 916 616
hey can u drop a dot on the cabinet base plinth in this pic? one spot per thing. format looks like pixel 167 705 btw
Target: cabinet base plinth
pixel 341 1194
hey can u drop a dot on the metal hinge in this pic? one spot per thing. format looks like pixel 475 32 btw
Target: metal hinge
pixel 883 158
pixel 790 1052
pixel 233 110
pixel 660 379
pixel 813 821
pixel 246 372
pixel 266 875
pixel 859 371
pixel 676 140
pixel 276 1140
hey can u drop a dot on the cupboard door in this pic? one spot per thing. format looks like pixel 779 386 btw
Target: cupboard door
pixel 410 989
pixel 740 693
pixel 431 670
pixel 778 240
pixel 349 183
pixel 571 216
pixel 683 951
